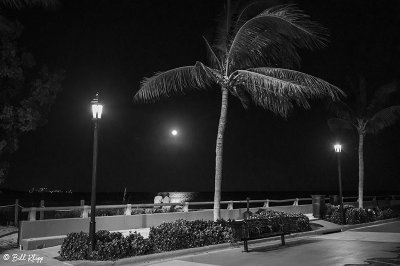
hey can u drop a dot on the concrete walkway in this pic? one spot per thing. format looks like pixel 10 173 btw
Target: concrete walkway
pixel 373 245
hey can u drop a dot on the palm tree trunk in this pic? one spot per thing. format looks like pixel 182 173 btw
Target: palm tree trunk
pixel 219 152
pixel 360 170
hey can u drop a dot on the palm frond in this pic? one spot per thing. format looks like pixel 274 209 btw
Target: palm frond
pixel 177 80
pixel 19 4
pixel 274 33
pixel 342 110
pixel 381 96
pixel 339 124
pixel 276 93
pixel 212 56
pixel 210 73
pixel 383 118
pixel 316 87
pixel 224 28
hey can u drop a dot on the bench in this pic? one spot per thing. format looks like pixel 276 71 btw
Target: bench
pixel 251 229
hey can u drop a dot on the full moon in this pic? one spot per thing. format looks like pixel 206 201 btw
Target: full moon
pixel 174 132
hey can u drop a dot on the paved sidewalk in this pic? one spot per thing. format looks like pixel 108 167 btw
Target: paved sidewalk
pixel 378 247
pixel 354 246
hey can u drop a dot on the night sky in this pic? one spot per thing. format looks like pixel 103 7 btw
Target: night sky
pixel 109 46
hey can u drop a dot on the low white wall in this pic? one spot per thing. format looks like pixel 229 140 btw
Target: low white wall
pixel 56 227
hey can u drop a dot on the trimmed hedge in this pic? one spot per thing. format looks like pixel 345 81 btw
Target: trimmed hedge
pixel 275 218
pixel 168 236
pixel 182 234
pixel 355 215
pixel 109 246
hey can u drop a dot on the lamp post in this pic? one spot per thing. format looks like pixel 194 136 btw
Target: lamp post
pixel 338 150
pixel 97 109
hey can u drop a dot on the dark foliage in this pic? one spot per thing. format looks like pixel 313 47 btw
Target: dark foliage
pixel 355 215
pixel 275 218
pixel 188 234
pixel 75 246
pixel 109 246
pixel 27 92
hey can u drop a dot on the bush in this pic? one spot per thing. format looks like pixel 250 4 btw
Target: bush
pixel 187 234
pixel 275 218
pixel 109 246
pixel 109 212
pixel 335 215
pixel 113 246
pixel 75 246
pixel 386 214
pixel 137 211
pixel 357 215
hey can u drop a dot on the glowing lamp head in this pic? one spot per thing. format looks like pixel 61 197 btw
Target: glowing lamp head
pixel 97 107
pixel 174 132
pixel 338 148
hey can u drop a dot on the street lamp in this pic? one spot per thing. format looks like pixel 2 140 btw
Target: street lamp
pixel 338 150
pixel 174 132
pixel 97 109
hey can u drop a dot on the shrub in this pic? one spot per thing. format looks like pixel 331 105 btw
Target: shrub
pixel 275 218
pixel 137 211
pixel 356 216
pixel 182 234
pixel 109 212
pixel 170 236
pixel 109 246
pixel 335 213
pixel 386 214
pixel 75 246
pixel 138 245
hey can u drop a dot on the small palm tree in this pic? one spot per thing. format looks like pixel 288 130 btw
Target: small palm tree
pixel 368 117
pixel 248 61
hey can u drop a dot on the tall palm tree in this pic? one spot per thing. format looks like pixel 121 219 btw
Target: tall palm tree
pixel 367 116
pixel 249 60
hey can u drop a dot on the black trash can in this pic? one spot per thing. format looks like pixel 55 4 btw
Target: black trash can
pixel 318 203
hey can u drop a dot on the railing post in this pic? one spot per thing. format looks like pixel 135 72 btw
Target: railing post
pixel 128 209
pixel 32 214
pixel 16 212
pixel 85 212
pixel 83 209
pixel 296 202
pixel 230 205
pixel 186 207
pixel 266 204
pixel 41 214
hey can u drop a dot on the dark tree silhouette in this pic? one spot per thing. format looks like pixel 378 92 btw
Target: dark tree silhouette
pixel 367 115
pixel 27 92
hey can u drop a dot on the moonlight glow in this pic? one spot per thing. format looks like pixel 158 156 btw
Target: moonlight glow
pixel 174 132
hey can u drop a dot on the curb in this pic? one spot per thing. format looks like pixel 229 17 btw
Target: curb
pixel 352 226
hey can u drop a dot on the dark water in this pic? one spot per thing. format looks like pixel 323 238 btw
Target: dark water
pixel 63 199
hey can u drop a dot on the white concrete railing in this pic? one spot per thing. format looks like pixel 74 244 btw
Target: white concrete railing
pixel 85 209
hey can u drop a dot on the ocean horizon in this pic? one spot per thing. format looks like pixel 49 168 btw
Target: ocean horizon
pixel 27 199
